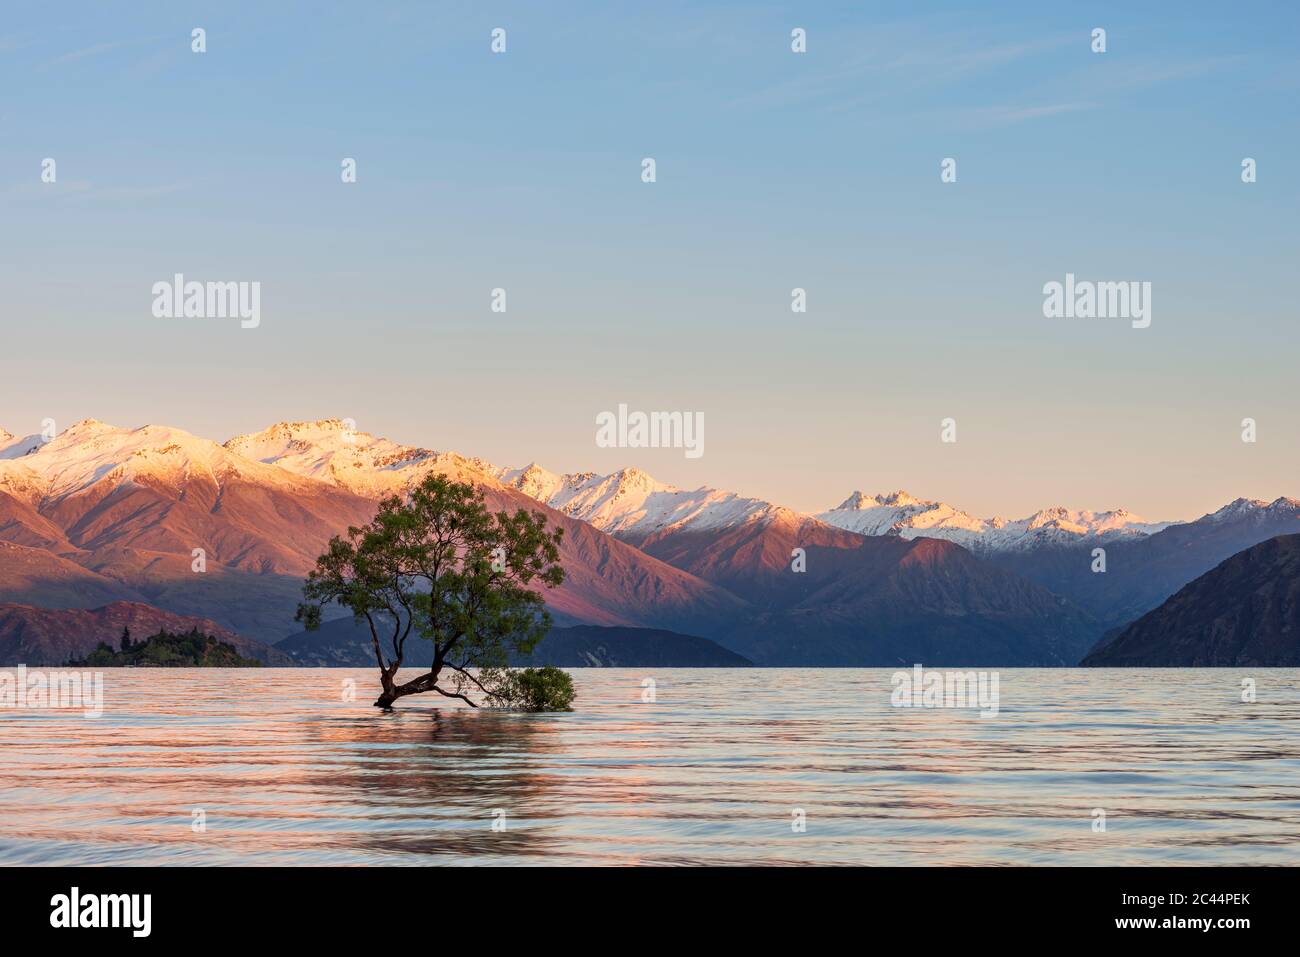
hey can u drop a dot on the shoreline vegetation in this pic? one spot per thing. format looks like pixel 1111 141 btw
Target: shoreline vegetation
pixel 166 649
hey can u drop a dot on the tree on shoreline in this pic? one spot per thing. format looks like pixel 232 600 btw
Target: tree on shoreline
pixel 166 649
pixel 442 568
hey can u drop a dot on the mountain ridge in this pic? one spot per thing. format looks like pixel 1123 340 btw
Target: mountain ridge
pixel 344 643
pixel 1244 612
pixel 103 513
pixel 50 637
pixel 108 513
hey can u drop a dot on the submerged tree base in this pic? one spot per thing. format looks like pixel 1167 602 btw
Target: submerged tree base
pixel 519 689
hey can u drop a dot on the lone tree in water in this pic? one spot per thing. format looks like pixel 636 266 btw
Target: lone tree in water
pixel 441 568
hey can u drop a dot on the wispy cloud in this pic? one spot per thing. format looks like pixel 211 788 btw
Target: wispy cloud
pixel 33 188
pixel 84 190
pixel 134 193
pixel 1010 115
pixel 98 49
pixel 954 56
pixel 898 58
pixel 1122 78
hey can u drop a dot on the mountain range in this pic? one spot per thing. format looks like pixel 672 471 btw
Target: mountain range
pixel 101 514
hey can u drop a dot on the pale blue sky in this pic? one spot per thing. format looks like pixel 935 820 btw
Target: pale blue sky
pixel 775 170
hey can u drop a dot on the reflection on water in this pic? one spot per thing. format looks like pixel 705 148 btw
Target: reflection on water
pixel 287 772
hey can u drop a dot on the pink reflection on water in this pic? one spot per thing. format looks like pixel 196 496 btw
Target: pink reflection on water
pixel 286 771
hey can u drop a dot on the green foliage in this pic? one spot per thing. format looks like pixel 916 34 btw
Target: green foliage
pixel 530 689
pixel 168 650
pixel 443 568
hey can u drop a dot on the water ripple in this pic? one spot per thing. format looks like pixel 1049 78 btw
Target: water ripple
pixel 287 772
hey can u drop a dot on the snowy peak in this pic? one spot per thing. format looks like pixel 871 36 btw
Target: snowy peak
pixel 899 498
pixel 1083 521
pixel 1252 508
pixel 854 503
pixel 629 503
pixel 1237 507
pixel 898 513
pixel 858 501
pixel 541 484
pixel 91 452
pixel 91 427
pixel 1049 516
pixel 332 450
pixel 289 438
pixel 632 504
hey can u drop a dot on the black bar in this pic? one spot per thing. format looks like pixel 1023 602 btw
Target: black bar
pixel 333 906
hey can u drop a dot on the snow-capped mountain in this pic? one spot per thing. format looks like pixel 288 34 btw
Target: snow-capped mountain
pixel 330 450
pixel 629 504
pixel 1255 510
pixel 148 496
pixel 740 547
pixel 633 506
pixel 102 513
pixel 898 513
pixel 92 453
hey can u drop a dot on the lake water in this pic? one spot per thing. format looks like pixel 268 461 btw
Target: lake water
pixel 286 771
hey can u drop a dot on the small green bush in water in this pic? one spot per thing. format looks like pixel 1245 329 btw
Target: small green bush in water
pixel 531 689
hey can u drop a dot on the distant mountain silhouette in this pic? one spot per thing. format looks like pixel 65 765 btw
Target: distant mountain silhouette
pixel 587 646
pixel 43 636
pixel 344 643
pixel 1245 612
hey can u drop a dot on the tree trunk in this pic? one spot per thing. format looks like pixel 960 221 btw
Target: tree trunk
pixel 393 691
pixel 389 693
